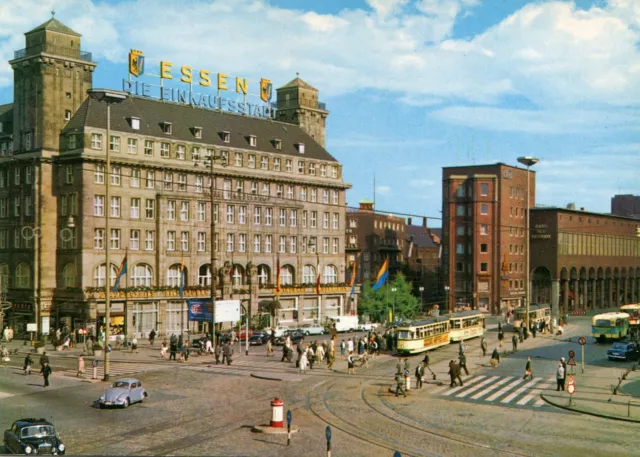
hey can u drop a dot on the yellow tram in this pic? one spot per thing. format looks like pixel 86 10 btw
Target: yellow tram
pixel 536 313
pixel 633 310
pixel 465 325
pixel 420 336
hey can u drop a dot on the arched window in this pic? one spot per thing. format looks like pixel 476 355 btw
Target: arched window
pixel 263 274
pixel 173 276
pixel 69 276
pixel 204 275
pixel 308 274
pixel 4 276
pixel 286 275
pixel 330 274
pixel 237 275
pixel 99 275
pixel 142 275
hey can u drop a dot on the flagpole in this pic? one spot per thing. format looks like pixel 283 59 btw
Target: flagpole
pixel 126 296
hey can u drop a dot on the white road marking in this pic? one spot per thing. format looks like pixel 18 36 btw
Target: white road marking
pixel 491 388
pixel 477 387
pixel 520 390
pixel 505 389
pixel 469 382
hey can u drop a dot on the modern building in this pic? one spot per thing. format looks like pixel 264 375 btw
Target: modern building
pixel 582 261
pixel 422 263
pixel 626 205
pixel 280 199
pixel 483 236
pixel 371 238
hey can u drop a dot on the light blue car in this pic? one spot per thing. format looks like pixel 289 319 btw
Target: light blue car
pixel 123 392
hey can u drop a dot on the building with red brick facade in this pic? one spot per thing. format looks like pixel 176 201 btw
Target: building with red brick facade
pixel 422 263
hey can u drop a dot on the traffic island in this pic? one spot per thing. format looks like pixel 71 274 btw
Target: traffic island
pixel 626 409
pixel 273 430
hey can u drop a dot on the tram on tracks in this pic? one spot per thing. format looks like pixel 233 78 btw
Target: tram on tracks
pixel 610 326
pixel 465 325
pixel 536 313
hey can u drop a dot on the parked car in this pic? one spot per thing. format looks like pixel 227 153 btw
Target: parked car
pixel 243 332
pixel 258 338
pixel 280 331
pixel 123 392
pixel 295 335
pixel 621 351
pixel 312 329
pixel 33 436
pixel 366 327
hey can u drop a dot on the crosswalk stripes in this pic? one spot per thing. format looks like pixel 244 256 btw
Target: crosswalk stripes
pixel 477 386
pixel 469 382
pixel 513 395
pixel 491 388
pixel 5 395
pixel 506 389
pixel 535 393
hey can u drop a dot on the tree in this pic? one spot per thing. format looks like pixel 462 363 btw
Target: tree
pixel 271 307
pixel 377 303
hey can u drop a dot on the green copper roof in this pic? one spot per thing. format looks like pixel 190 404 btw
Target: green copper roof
pixel 54 25
pixel 366 202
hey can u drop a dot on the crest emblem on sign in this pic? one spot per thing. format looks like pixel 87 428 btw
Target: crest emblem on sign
pixel 136 62
pixel 265 90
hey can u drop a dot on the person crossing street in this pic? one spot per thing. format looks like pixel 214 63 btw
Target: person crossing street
pixel 463 364
pixel 514 342
pixel 46 372
pixel 419 375
pixel 483 346
pixel 528 370
pixel 400 385
pixel 560 377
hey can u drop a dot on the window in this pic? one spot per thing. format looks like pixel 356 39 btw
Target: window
pixel 98 238
pixel 312 169
pixel 142 275
pixel 149 240
pixel 114 239
pixel 202 211
pixel 242 242
pixel 174 276
pixel 336 245
pixel 286 275
pixel 73 143
pixel 267 243
pixel 134 180
pixel 226 194
pixel 290 192
pixel 276 164
pixel 134 240
pixel 242 214
pixel 180 152
pixel 28 204
pixel 171 210
pixel 484 209
pixel 115 175
pixel 148 147
pixel 231 210
pixel 293 217
pixel 23 276
pixel 149 208
pixel 288 165
pixel 257 243
pixel 460 190
pixel 132 145
pixel 96 141
pixel 239 187
pixel 304 219
pixel 484 229
pixel 330 274
pixel 300 148
pixel 484 247
pixel 459 248
pixel 182 182
pixel 314 195
pixel 323 171
pixel 256 215
pixel 164 150
pixel 167 128
pixel 301 167
pixel 167 180
pixel 252 161
pixel 17 236
pixel 98 205
pixel 184 211
pixel 303 194
pixel 314 219
pixel 459 267
pixel 278 144
pixel 308 274
pixel 99 275
pixel 325 245
pixel 263 274
pixel 69 276
pixel 264 163
pixel 230 242
pixel 28 175
pixel 460 230
pixel 226 137
pixel 283 244
pixel 150 179
pixel 335 197
pixel 460 210
pixel 115 207
pixel 199 183
pixel 334 171
pixel 171 240
pixel 114 143
pixel 204 275
pixel 283 217
pixel 16 205
pixel 325 220
pixel 16 176
pixel 238 159
pixel 279 190
pixel 268 212
pixel 184 241
pixel 68 175
pixel 484 189
pixel 265 189
pixel 197 132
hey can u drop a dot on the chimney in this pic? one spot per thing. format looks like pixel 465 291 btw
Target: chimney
pixel 571 206
pixel 424 222
pixel 581 209
pixel 409 221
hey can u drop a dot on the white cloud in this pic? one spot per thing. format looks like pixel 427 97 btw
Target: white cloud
pixel 422 183
pixel 384 8
pixel 383 190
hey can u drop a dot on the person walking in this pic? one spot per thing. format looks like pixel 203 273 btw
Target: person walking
pixel 320 354
pixel 458 371
pixel 46 372
pixel 152 336
pixel 463 363
pixel 495 358
pixel 229 354
pixel 343 349
pixel 452 373
pixel 163 350
pixel 269 348
pixel 225 352
pixel 461 347
pixel 564 365
pixel 350 364
pixel 560 377
pixel 134 344
pixel 500 337
pixel 302 366
pixel 331 358
pixel 208 347
pixel 80 367
pixel 483 346
pixel 173 349
pixel 499 326
pixel 311 355
pixel 406 365
pixel 400 382
pixel 419 375
pixel 217 351
pixel 534 329
pixel 27 365
pixel 528 370
pixel 399 366
pixel 184 351
pixel 4 354
pixel 514 342
pixel 520 335
pixel 349 346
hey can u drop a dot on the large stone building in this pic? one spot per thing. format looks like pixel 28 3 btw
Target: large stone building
pixel 281 196
pixel 626 205
pixel 483 236
pixel 582 261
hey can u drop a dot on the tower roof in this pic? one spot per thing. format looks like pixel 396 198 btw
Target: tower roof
pixel 53 25
pixel 297 82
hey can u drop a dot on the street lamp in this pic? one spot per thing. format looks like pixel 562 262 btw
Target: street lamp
pixel 421 289
pixel 529 162
pixel 393 289
pixel 110 97
pixel 207 161
pixel 446 299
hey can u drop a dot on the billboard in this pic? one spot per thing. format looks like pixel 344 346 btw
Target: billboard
pixel 226 310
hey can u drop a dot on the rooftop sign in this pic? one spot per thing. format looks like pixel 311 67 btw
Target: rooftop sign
pixel 239 99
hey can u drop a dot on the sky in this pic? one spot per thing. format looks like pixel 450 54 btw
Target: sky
pixel 411 85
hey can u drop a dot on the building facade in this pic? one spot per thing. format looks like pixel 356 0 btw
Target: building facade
pixel 582 261
pixel 626 205
pixel 422 263
pixel 483 236
pixel 279 198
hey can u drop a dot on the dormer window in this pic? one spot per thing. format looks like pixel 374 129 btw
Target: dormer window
pixel 167 128
pixel 300 147
pixel 135 123
pixel 226 137
pixel 72 141
pixel 197 132
pixel 278 144
pixel 253 141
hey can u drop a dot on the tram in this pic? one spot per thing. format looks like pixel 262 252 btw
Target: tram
pixel 633 310
pixel 536 313
pixel 424 335
pixel 465 325
pixel 610 326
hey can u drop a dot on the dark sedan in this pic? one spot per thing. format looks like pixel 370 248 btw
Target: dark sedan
pixel 295 335
pixel 258 338
pixel 621 351
pixel 33 436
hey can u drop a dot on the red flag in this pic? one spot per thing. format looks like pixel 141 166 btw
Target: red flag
pixel 278 288
pixel 318 278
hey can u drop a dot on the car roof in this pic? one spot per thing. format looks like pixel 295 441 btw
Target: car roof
pixel 32 421
pixel 129 380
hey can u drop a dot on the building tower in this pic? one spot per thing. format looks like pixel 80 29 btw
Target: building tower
pixel 51 78
pixel 297 103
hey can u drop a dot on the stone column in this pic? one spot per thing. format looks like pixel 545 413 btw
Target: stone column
pixel 565 297
pixel 610 303
pixel 593 293
pixel 601 292
pixel 555 298
pixel 585 294
pixel 625 290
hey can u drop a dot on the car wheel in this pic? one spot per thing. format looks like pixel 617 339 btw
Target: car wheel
pixel 351 330
pixel 307 333
pixel 126 403
pixel 102 405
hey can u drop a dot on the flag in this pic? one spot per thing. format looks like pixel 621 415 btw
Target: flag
pixel 318 278
pixel 570 294
pixel 182 278
pixel 353 279
pixel 383 274
pixel 121 272
pixel 278 289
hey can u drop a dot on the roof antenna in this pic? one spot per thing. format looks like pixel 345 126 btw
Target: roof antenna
pixel 53 13
pixel 297 74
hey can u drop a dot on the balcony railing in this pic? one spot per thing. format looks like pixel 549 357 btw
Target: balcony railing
pixel 74 53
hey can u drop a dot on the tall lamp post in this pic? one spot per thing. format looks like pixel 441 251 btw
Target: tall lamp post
pixel 393 289
pixel 207 161
pixel 110 97
pixel 421 289
pixel 529 162
pixel 446 299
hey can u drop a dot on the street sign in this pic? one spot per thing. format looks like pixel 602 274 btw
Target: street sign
pixel 582 340
pixel 288 416
pixel 397 453
pixel 328 433
pixel 406 373
pixel 572 354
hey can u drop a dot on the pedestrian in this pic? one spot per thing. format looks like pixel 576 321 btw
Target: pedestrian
pixel 311 355
pixel 560 377
pixel 4 353
pixel 80 367
pixel 184 351
pixel 269 348
pixel 499 326
pixel 399 366
pixel 320 353
pixel 483 345
pixel 46 372
pixel 331 358
pixel 453 373
pixel 564 365
pixel 225 351
pixel 303 362
pixel 463 363
pixel 350 363
pixel 419 375
pixel 134 344
pixel 208 347
pixel 528 370
pixel 173 349
pixel 514 342
pixel 461 347
pixel 44 358
pixel 406 365
pixel 343 349
pixel 520 335
pixel 400 382
pixel 425 360
pixel 495 358
pixel 163 350
pixel 299 350
pixel 27 365
pixel 500 337
pixel 152 336
pixel 349 346
pixel 180 341
pixel 374 348
pixel 534 329
pixel 229 354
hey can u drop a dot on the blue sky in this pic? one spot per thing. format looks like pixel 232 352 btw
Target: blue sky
pixel 411 85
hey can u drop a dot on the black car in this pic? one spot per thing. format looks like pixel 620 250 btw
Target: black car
pixel 258 338
pixel 621 350
pixel 33 436
pixel 295 335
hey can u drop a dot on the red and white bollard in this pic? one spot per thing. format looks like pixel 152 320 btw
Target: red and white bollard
pixel 408 382
pixel 277 413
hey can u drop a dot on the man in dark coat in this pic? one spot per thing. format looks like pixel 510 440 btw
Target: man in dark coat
pixel 452 373
pixel 46 372
pixel 463 364
pixel 514 343
pixel 173 348
pixel 227 353
pixel 400 385
pixel 483 346
pixel 419 375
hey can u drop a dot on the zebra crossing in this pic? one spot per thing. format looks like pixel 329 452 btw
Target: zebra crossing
pixel 246 367
pixel 513 391
pixel 116 369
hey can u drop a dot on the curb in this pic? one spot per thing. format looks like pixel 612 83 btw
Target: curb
pixel 265 377
pixel 590 413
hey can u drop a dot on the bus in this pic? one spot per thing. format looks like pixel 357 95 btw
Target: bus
pixel 424 335
pixel 633 311
pixel 610 326
pixel 536 313
pixel 465 325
